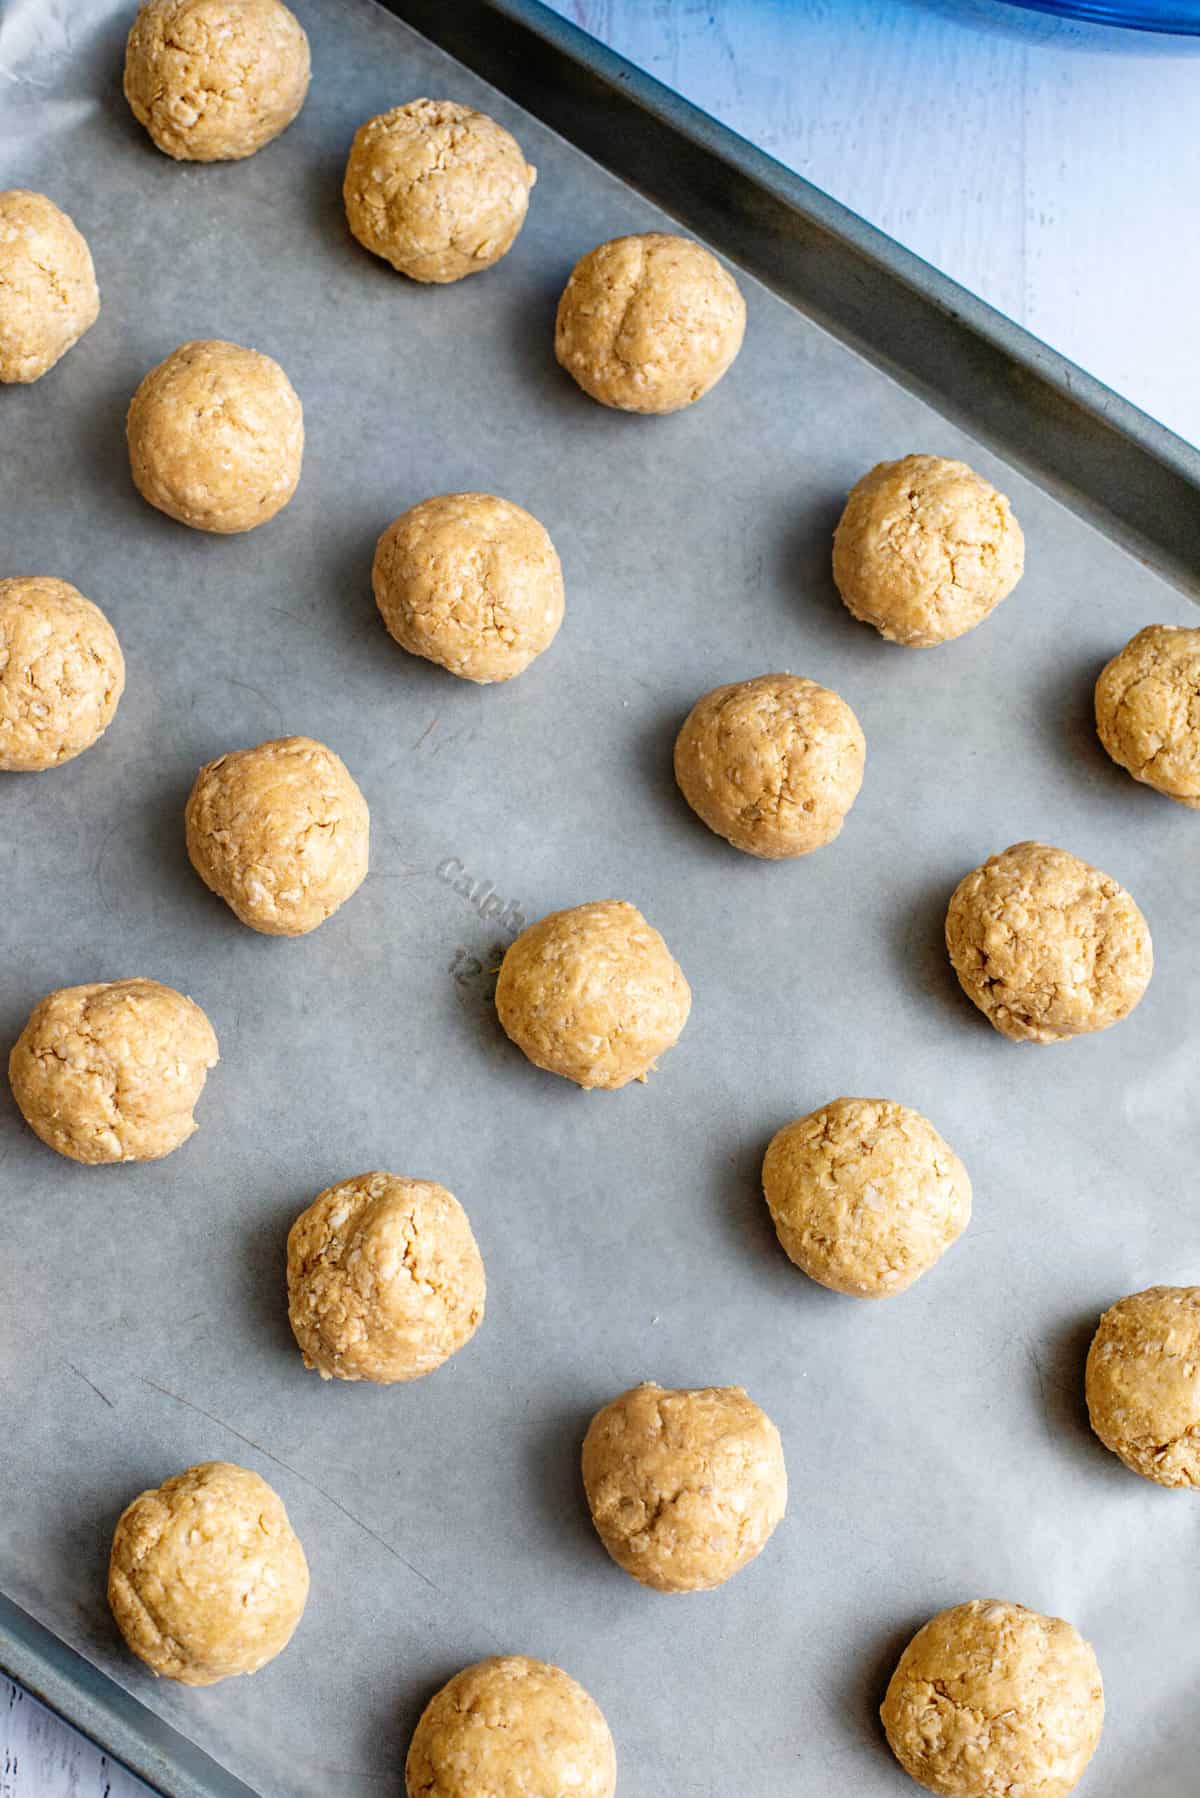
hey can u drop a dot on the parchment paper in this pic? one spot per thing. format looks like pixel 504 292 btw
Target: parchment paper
pixel 937 1444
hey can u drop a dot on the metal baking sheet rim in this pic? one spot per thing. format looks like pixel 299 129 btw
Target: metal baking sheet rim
pixel 116 1721
pixel 1126 470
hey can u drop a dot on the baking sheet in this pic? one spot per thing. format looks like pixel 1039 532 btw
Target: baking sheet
pixel 937 1446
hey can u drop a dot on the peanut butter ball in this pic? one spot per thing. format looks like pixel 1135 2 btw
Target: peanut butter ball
pixel 991 1700
pixel 1047 946
pixel 771 764
pixel 48 292
pixel 593 994
pixel 865 1195
pixel 649 323
pixel 471 582
pixel 385 1280
pixel 61 673
pixel 207 1578
pixel 280 832
pixel 438 190
pixel 685 1487
pixel 1143 1384
pixel 215 80
pixel 925 549
pixel 112 1071
pixel 216 437
pixel 511 1727
pixel 1148 710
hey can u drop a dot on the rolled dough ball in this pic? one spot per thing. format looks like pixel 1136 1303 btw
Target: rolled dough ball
pixel 510 1727
pixel 865 1195
pixel 1143 1383
pixel 385 1280
pixel 470 582
pixel 215 80
pixel 649 323
pixel 1047 946
pixel 48 292
pixel 771 764
pixel 281 833
pixel 593 994
pixel 991 1700
pixel 111 1072
pixel 1148 710
pixel 685 1487
pixel 207 1577
pixel 216 437
pixel 438 190
pixel 925 549
pixel 61 672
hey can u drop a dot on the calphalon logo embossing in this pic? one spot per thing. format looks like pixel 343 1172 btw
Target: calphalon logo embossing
pixel 482 894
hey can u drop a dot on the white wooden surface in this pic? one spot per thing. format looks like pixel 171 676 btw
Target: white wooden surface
pixel 40 1757
pixel 1052 168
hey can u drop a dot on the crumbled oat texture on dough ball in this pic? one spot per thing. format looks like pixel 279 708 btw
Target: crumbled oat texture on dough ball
pixel 280 832
pixel 385 1279
pixel 1047 946
pixel 593 994
pixel 215 80
pixel 48 292
pixel 207 1577
pixel 1143 1383
pixel 61 673
pixel 1148 710
pixel 471 582
pixel 685 1487
pixel 771 764
pixel 925 549
pixel 510 1727
pixel 216 437
pixel 991 1700
pixel 865 1195
pixel 111 1072
pixel 438 190
pixel 649 323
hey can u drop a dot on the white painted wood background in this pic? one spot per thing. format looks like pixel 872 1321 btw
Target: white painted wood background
pixel 1053 168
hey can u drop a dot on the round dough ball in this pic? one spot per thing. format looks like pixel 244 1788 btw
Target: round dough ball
pixel 48 292
pixel 593 994
pixel 281 833
pixel 771 764
pixel 649 323
pixel 511 1727
pixel 470 582
pixel 111 1072
pixel 1143 1383
pixel 385 1279
pixel 925 549
pixel 438 190
pixel 216 437
pixel 990 1700
pixel 1047 946
pixel 61 672
pixel 215 80
pixel 1148 710
pixel 685 1487
pixel 206 1577
pixel 865 1195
